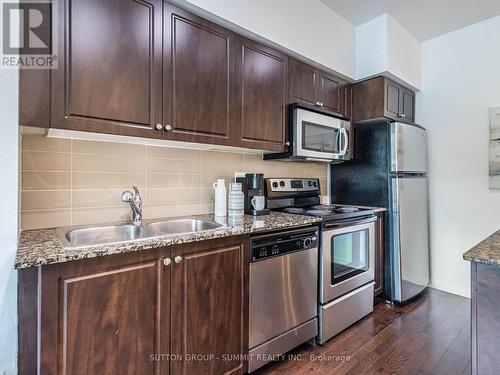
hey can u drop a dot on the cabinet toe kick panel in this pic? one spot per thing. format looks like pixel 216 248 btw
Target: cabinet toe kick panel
pixel 262 354
pixel 341 313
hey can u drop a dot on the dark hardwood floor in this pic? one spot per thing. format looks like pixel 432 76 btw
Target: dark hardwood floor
pixel 428 335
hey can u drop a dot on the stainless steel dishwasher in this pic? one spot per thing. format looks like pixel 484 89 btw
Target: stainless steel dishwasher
pixel 283 293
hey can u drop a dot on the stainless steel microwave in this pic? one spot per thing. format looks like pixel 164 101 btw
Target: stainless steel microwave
pixel 316 136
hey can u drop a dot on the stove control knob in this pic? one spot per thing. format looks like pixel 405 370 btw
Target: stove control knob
pixel 282 183
pixel 275 184
pixel 315 183
pixel 307 242
pixel 310 183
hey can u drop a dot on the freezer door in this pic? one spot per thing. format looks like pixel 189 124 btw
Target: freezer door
pixel 408 148
pixel 410 243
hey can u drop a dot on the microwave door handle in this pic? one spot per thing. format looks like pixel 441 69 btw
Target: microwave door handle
pixel 344 142
pixel 339 141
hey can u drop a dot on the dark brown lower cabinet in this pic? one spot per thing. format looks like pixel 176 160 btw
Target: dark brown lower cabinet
pixel 485 318
pixel 209 307
pixel 128 313
pixel 379 254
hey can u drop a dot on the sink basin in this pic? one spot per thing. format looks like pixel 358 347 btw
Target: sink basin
pixel 113 234
pixel 102 235
pixel 177 226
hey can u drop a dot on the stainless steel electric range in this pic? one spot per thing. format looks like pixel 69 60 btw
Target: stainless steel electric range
pixel 346 252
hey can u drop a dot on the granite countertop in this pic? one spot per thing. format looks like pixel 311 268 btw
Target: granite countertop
pixel 42 246
pixel 487 251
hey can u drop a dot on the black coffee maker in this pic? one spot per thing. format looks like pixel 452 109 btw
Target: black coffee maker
pixel 252 186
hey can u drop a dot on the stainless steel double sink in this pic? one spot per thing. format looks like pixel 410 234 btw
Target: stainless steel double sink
pixel 77 238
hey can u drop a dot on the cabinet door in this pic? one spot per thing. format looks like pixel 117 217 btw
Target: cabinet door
pixel 109 75
pixel 331 93
pixel 209 307
pixel 303 82
pixel 106 316
pixel 197 78
pixel 407 105
pixel 392 99
pixel 261 95
pixel 379 254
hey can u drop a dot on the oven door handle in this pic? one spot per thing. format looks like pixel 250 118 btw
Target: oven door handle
pixel 349 223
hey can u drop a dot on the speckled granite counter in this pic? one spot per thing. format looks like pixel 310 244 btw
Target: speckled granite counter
pixel 42 247
pixel 487 251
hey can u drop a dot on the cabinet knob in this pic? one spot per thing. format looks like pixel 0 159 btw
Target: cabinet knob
pixel 159 126
pixel 317 104
pixel 402 115
pixel 168 127
pixel 178 259
pixel 287 143
pixel 321 104
pixel 167 261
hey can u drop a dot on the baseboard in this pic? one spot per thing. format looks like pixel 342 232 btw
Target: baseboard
pixel 453 289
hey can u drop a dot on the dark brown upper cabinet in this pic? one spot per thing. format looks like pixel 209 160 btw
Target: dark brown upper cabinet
pixel 331 95
pixel 303 82
pixel 150 69
pixel 109 74
pixel 198 79
pixel 379 98
pixel 314 87
pixel 407 104
pixel 262 94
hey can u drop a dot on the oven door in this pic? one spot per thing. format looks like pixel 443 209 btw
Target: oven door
pixel 320 136
pixel 347 258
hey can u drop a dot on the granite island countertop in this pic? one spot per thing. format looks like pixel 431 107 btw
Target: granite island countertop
pixel 43 247
pixel 487 251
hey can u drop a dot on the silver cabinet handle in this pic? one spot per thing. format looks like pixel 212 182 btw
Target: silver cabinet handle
pixel 321 104
pixel 178 259
pixel 402 115
pixel 317 104
pixel 168 127
pixel 167 261
pixel 287 143
pixel 159 126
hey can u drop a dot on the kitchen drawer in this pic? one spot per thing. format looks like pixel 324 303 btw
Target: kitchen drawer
pixel 339 314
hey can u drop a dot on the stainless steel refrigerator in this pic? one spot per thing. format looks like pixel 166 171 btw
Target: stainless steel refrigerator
pixel 390 170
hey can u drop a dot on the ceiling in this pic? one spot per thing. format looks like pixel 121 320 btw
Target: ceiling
pixel 425 19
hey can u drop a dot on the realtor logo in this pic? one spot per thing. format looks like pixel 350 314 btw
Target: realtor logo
pixel 28 34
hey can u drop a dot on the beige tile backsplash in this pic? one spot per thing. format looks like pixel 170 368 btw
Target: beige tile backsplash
pixel 74 182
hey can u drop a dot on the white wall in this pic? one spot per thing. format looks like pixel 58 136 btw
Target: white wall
pixel 460 81
pixel 371 47
pixel 8 221
pixel 308 28
pixel 384 46
pixel 403 53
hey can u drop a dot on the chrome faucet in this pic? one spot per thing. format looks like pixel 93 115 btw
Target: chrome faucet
pixel 135 202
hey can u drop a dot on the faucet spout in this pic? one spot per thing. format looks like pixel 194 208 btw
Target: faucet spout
pixel 135 202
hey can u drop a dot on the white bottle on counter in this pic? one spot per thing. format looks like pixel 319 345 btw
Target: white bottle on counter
pixel 236 201
pixel 220 198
